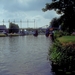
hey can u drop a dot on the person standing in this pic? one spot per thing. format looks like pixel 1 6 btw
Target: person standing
pixel 52 34
pixel 47 32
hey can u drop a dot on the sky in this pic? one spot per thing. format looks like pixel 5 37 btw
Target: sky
pixel 25 13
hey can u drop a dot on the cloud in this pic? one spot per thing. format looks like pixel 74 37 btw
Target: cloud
pixel 50 14
pixel 23 5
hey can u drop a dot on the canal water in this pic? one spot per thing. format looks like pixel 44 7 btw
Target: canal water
pixel 24 55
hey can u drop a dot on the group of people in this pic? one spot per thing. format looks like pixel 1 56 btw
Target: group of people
pixel 50 33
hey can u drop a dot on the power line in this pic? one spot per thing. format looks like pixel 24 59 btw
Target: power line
pixel 15 21
pixel 19 21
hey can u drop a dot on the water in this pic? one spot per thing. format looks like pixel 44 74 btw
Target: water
pixel 24 55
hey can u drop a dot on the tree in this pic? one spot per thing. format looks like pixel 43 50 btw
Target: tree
pixel 13 28
pixel 55 23
pixel 67 10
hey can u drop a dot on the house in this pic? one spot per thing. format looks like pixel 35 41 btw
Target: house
pixel 3 29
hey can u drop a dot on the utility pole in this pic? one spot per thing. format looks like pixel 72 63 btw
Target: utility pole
pixel 34 23
pixel 3 21
pixel 27 23
pixel 20 23
pixel 14 21
pixel 8 21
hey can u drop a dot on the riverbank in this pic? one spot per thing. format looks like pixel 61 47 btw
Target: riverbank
pixel 5 35
pixel 13 34
pixel 2 35
pixel 62 55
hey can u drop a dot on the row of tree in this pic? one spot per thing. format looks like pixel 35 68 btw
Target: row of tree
pixel 66 8
pixel 13 28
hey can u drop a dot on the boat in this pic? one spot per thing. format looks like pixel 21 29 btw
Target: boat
pixel 13 34
pixel 35 33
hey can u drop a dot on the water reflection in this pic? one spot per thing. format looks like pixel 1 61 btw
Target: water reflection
pixel 24 55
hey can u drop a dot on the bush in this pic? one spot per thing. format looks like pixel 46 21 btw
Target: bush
pixel 58 34
pixel 63 56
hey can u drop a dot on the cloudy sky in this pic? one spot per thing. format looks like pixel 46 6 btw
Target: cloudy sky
pixel 25 13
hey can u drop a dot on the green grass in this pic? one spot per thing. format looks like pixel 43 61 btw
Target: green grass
pixel 67 39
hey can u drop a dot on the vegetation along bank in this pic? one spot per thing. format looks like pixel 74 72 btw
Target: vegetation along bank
pixel 62 55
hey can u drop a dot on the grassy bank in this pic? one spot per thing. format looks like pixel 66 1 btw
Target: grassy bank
pixel 66 39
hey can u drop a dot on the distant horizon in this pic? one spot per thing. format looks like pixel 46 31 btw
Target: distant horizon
pixel 20 22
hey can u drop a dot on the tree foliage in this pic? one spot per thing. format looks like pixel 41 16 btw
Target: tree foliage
pixel 67 9
pixel 55 22
pixel 13 28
